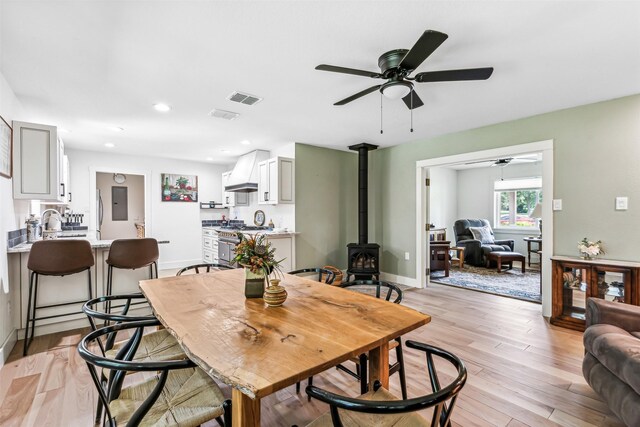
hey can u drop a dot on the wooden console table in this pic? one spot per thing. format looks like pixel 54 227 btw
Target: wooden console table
pixel 575 279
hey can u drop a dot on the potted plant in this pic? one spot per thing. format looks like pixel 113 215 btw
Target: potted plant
pixel 257 256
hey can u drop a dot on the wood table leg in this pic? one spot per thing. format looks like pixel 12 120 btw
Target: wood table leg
pixel 379 365
pixel 499 264
pixel 245 410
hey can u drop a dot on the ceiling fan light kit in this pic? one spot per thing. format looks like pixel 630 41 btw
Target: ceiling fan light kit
pixel 397 65
pixel 396 89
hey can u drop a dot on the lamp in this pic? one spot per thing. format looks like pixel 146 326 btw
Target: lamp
pixel 396 89
pixel 537 213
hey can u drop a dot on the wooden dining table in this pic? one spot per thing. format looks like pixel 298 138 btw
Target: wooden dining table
pixel 257 349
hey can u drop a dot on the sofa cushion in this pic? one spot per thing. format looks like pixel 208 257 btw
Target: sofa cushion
pixel 483 234
pixel 617 350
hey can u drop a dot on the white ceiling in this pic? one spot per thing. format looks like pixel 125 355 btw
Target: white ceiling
pixel 89 65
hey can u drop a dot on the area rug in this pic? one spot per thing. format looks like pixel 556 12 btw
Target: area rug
pixel 511 283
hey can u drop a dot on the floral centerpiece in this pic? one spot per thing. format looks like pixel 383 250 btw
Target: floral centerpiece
pixel 589 250
pixel 257 256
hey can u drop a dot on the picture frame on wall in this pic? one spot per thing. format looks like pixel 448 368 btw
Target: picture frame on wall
pixel 179 188
pixel 6 149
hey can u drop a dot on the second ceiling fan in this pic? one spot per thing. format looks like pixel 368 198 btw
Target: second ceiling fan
pixel 397 65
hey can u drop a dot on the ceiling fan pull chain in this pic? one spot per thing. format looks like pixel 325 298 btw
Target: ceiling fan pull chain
pixel 411 109
pixel 381 113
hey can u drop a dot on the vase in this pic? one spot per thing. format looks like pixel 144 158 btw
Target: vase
pixel 586 256
pixel 275 295
pixel 253 283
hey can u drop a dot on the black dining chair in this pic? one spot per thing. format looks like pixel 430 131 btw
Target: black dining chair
pixel 328 278
pixel 203 268
pixel 389 292
pixel 189 396
pixel 378 406
pixel 154 346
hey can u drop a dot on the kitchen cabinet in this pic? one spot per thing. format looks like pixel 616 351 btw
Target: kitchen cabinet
pixel 232 198
pixel 38 157
pixel 276 181
pixel 209 246
pixel 285 247
pixel 574 280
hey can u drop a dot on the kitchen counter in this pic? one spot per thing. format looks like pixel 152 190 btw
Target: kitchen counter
pixel 26 247
pixel 266 232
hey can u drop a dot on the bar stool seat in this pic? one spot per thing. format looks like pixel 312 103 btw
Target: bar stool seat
pixel 131 254
pixel 55 258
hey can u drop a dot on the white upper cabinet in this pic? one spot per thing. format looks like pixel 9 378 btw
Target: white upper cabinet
pixel 38 157
pixel 276 182
pixel 232 198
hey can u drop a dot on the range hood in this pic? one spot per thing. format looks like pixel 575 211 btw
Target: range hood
pixel 244 177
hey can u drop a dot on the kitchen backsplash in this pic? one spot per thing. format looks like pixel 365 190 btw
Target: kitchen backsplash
pixel 16 237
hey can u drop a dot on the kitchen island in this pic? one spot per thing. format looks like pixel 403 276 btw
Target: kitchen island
pixel 54 290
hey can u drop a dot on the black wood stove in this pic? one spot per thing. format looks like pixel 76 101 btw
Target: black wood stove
pixel 363 257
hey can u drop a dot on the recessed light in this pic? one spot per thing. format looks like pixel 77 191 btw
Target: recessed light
pixel 209 158
pixel 115 128
pixel 162 107
pixel 245 142
pixel 109 145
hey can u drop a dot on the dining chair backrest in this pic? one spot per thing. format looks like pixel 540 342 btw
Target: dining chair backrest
pixel 203 268
pixel 442 399
pixel 378 288
pixel 60 257
pixel 122 363
pixel 329 275
pixel 133 253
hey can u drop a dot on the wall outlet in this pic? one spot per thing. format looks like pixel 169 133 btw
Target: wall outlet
pixel 622 203
pixel 407 257
pixel 557 204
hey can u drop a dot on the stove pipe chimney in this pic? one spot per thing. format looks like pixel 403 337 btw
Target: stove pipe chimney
pixel 363 201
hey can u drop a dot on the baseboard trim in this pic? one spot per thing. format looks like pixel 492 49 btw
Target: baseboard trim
pixel 7 346
pixel 402 280
pixel 178 264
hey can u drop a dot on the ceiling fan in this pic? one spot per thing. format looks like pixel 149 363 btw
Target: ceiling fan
pixel 495 162
pixel 397 65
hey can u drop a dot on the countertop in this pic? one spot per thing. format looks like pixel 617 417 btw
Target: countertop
pixel 267 232
pixel 95 244
pixel 26 247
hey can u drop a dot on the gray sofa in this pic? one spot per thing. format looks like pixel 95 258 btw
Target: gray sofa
pixel 611 363
pixel 475 252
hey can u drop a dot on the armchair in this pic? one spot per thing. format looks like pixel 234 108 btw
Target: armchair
pixel 476 252
pixel 611 362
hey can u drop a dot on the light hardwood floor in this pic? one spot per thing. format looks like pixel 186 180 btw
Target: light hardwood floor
pixel 522 371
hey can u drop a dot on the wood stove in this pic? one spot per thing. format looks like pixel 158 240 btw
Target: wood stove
pixel 363 257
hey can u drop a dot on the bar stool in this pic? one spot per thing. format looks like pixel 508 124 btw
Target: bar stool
pixel 131 254
pixel 55 258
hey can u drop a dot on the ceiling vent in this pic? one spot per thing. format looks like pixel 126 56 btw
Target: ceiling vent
pixel 244 98
pixel 222 114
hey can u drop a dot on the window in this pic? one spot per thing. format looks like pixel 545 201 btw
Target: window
pixel 515 200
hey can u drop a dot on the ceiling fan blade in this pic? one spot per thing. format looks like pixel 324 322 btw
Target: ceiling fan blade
pixel 415 103
pixel 425 46
pixel 482 161
pixel 454 75
pixel 358 95
pixel 344 70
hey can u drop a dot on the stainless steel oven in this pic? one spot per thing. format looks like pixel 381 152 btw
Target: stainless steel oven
pixel 227 242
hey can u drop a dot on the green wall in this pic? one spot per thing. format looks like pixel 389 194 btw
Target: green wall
pixel 596 158
pixel 326 205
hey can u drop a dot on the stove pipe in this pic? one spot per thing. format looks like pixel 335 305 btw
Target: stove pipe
pixel 363 201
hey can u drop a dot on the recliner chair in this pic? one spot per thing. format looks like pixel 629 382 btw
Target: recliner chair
pixel 475 252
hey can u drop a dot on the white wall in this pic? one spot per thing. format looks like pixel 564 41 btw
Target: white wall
pixel 282 215
pixel 443 199
pixel 180 223
pixel 11 218
pixel 476 196
pixel 135 205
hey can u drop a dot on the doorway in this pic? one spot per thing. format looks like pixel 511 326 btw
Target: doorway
pixel 427 169
pixel 120 205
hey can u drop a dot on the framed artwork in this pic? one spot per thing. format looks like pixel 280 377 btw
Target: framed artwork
pixel 6 164
pixel 179 188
